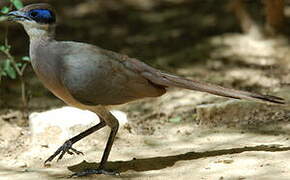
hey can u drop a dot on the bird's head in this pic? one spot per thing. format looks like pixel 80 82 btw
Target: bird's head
pixel 37 19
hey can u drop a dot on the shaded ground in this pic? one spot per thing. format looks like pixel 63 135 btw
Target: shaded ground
pixel 165 138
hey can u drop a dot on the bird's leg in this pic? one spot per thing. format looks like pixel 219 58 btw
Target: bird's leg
pixel 113 123
pixel 67 146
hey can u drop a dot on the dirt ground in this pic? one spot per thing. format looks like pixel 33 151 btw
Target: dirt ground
pixel 177 151
pixel 164 138
pixel 170 137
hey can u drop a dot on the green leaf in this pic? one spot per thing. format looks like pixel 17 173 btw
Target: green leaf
pixel 5 10
pixel 3 73
pixel 17 3
pixel 175 119
pixel 2 48
pixel 26 58
pixel 19 65
pixel 9 69
pixel 11 73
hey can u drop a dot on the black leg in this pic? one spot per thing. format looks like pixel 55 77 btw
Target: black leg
pixel 109 146
pixel 101 169
pixel 67 146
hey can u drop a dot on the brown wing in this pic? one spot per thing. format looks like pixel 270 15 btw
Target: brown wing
pixel 96 78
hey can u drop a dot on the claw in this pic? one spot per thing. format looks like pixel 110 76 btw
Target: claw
pixel 65 148
pixel 76 151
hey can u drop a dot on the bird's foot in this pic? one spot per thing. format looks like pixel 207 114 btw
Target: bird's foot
pixel 94 171
pixel 65 148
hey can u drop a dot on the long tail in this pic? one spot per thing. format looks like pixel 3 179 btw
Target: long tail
pixel 169 80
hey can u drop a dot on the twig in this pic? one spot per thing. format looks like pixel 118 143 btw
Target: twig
pixel 20 72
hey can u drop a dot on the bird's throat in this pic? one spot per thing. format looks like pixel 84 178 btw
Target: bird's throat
pixel 40 32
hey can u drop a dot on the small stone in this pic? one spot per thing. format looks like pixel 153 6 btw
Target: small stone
pixel 228 161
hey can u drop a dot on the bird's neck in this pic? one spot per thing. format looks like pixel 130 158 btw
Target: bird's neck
pixel 43 32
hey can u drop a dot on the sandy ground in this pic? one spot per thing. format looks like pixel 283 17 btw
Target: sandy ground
pixel 178 151
pixel 166 138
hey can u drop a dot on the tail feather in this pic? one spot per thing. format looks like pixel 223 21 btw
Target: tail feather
pixel 176 81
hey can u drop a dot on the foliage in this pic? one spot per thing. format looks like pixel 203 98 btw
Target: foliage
pixel 10 66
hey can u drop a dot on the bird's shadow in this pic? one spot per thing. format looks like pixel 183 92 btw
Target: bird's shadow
pixel 157 163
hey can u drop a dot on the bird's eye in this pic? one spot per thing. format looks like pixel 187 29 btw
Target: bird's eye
pixel 33 14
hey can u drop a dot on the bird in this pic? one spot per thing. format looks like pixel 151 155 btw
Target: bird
pixel 95 79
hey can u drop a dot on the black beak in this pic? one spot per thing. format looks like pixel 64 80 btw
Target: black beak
pixel 17 16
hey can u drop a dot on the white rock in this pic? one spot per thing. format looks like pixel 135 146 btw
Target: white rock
pixel 57 125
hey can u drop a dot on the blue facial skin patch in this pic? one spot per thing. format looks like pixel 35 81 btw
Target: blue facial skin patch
pixel 43 16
